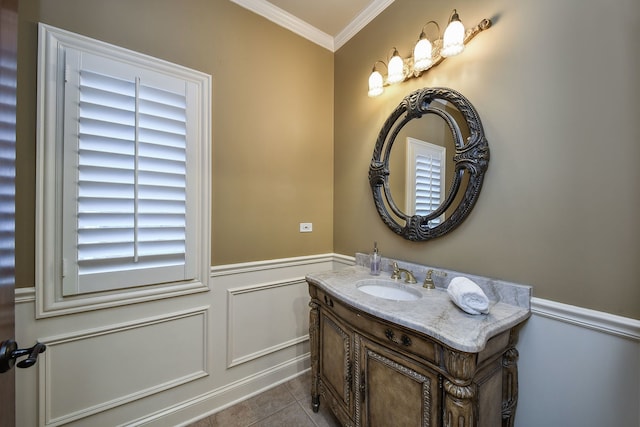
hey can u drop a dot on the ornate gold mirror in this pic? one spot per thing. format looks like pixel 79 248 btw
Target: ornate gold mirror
pixel 435 144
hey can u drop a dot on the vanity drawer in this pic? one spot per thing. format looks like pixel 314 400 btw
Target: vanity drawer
pixel 385 332
pixel 400 338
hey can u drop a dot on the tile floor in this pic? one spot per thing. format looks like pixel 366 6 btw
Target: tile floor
pixel 286 405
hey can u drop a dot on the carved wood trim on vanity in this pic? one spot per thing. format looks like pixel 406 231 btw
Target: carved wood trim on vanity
pixel 442 386
pixel 459 392
pixel 510 381
pixel 358 380
pixel 314 330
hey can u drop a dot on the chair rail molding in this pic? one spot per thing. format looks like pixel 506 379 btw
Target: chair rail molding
pixel 600 321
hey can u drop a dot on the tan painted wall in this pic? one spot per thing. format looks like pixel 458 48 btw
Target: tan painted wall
pixel 272 117
pixel 556 86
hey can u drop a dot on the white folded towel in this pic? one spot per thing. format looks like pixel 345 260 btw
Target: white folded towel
pixel 467 295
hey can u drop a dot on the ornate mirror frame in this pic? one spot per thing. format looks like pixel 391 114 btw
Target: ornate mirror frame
pixel 471 156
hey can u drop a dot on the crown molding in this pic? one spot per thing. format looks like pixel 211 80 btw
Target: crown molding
pixel 367 15
pixel 308 31
pixel 288 21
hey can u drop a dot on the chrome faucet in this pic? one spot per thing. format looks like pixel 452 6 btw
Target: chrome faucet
pixel 397 274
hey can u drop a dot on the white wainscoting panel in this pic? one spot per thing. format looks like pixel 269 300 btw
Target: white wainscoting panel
pixel 171 362
pixel 265 318
pixel 94 370
pixel 578 368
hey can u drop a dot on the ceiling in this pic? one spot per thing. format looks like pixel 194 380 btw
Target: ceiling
pixel 329 23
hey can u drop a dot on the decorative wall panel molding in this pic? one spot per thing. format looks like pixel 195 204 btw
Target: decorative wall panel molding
pixel 265 318
pixel 267 303
pixel 90 371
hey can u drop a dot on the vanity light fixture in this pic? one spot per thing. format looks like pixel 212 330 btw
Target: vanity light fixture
pixel 426 53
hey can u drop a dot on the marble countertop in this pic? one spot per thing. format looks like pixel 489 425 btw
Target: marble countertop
pixel 434 314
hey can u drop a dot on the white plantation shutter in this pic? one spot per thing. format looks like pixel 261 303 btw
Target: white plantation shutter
pixel 125 147
pixel 425 174
pixel 428 183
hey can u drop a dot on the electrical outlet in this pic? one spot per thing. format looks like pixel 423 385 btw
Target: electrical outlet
pixel 306 227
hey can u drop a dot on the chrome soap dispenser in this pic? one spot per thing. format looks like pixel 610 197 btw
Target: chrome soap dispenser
pixel 375 260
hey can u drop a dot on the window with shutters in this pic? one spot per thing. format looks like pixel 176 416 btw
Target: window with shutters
pixel 425 178
pixel 125 154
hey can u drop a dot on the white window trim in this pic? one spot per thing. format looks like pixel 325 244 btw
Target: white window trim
pixel 49 299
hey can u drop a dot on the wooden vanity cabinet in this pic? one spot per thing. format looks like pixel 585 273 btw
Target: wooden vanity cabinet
pixel 371 372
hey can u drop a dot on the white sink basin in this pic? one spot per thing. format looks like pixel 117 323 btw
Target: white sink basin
pixel 388 289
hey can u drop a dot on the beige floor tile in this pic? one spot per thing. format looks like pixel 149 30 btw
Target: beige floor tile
pixel 322 418
pixel 290 416
pixel 286 405
pixel 300 386
pixel 254 409
pixel 238 415
pixel 271 401
pixel 202 423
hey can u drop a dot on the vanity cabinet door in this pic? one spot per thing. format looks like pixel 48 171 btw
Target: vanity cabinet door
pixel 393 389
pixel 336 352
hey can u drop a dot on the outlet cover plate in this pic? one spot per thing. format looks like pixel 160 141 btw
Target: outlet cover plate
pixel 306 227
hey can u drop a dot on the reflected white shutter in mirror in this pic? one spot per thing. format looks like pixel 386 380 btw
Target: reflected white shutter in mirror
pixel 425 174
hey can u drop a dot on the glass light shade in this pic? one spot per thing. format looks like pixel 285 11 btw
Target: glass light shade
pixel 453 39
pixel 422 55
pixel 375 84
pixel 396 69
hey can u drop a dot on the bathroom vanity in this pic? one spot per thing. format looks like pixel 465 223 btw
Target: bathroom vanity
pixel 418 361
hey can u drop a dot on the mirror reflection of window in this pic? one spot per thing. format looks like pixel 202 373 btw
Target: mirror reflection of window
pixel 425 174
